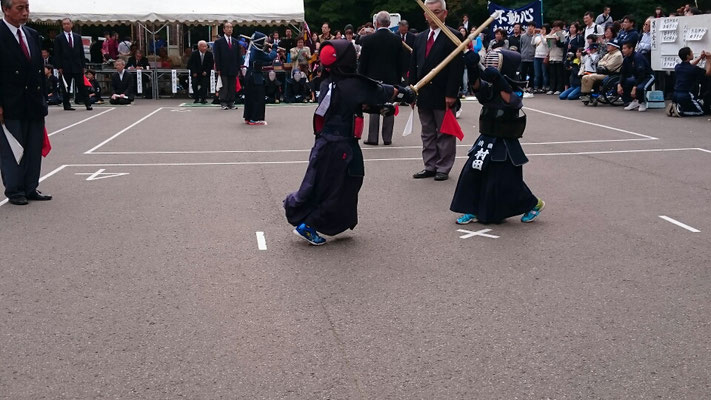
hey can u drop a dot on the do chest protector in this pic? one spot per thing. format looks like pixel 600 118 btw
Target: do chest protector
pixel 502 123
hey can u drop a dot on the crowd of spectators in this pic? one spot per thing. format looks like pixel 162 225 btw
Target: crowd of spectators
pixel 565 59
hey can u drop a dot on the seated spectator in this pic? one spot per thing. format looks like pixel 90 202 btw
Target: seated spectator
pixel 124 48
pixel 54 96
pixel 122 85
pixel 315 84
pixel 94 90
pixel 298 88
pixel 163 59
pixel 300 55
pixel 644 46
pixel 588 62
pixel 46 58
pixel 138 61
pixel 499 41
pixel 628 33
pixel 689 75
pixel 610 63
pixel 636 77
pixel 572 67
pixel 272 89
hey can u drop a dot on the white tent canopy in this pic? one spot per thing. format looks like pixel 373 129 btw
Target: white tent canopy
pixel 105 12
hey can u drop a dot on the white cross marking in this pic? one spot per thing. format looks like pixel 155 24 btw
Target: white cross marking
pixel 100 174
pixel 482 232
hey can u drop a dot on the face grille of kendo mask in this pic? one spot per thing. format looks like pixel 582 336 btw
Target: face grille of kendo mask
pixel 493 59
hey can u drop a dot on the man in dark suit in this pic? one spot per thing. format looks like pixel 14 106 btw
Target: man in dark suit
pixel 381 59
pixel 69 60
pixel 228 59
pixel 22 103
pixel 200 65
pixel 432 47
pixel 408 38
pixel 121 84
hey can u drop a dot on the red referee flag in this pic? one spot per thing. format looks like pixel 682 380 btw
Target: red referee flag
pixel 450 126
pixel 46 146
pixel 238 87
pixel 86 81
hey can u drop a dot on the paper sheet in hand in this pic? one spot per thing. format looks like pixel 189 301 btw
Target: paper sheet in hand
pixel 408 125
pixel 15 146
pixel 218 85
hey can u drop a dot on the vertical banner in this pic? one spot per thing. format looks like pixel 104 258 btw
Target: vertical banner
pixel 174 80
pixel 190 83
pixel 139 82
pixel 532 12
pixel 212 81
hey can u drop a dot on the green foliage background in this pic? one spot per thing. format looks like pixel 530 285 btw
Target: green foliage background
pixel 341 12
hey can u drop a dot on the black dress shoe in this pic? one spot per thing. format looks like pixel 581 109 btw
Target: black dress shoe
pixel 18 201
pixel 89 108
pixel 424 174
pixel 370 143
pixel 38 196
pixel 441 176
pixel 196 101
pixel 203 101
pixel 387 143
pixel 69 109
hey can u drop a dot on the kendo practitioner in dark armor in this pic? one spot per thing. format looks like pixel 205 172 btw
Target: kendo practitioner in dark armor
pixel 491 187
pixel 272 89
pixel 260 54
pixel 327 200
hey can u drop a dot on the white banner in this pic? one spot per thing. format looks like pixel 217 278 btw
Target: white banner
pixel 139 82
pixel 174 80
pixel 190 83
pixel 212 81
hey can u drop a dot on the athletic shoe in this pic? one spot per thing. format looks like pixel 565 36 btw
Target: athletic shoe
pixel 642 107
pixel 250 122
pixel 466 219
pixel 458 113
pixel 309 234
pixel 531 215
pixel 225 108
pixel 557 92
pixel 634 104
pixel 549 92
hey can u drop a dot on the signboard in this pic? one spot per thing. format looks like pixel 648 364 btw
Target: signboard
pixel 531 12
pixel 671 34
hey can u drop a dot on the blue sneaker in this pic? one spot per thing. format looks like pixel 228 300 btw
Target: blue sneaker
pixel 466 219
pixel 309 234
pixel 531 215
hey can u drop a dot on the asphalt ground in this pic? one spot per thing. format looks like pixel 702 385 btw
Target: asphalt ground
pixel 144 277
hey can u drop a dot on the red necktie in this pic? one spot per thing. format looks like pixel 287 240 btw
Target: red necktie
pixel 23 46
pixel 430 42
pixel 229 43
pixel 70 40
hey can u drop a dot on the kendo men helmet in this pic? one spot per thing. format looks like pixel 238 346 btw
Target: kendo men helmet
pixel 338 56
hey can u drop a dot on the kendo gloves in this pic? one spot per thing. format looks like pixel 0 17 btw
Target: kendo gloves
pixel 497 81
pixel 405 94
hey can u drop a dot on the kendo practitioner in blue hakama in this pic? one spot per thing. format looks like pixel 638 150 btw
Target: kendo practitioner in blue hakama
pixel 260 55
pixel 327 200
pixel 491 187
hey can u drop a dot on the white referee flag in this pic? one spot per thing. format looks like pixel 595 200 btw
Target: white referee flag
pixel 408 125
pixel 15 146
pixel 218 85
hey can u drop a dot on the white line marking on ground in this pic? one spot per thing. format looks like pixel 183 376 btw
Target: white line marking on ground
pixel 41 179
pixel 123 130
pixel 482 232
pixel 177 164
pixel 363 148
pixel 95 176
pixel 681 224
pixel 81 122
pixel 704 150
pixel 591 123
pixel 261 241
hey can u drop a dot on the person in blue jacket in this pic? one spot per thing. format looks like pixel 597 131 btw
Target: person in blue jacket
pixel 636 77
pixel 689 75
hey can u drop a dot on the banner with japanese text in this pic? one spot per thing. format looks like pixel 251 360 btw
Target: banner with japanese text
pixel 532 12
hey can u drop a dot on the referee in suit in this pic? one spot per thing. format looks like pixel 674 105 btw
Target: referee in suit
pixel 69 58
pixel 381 60
pixel 228 60
pixel 432 47
pixel 22 103
pixel 200 64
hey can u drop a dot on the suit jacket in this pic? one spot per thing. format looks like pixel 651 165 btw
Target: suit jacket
pixel 22 83
pixel 69 59
pixel 123 86
pixel 197 67
pixel 381 57
pixel 447 82
pixel 227 60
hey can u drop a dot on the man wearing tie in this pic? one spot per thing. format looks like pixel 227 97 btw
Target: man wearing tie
pixel 381 60
pixel 69 58
pixel 431 47
pixel 408 38
pixel 22 103
pixel 228 59
pixel 200 65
